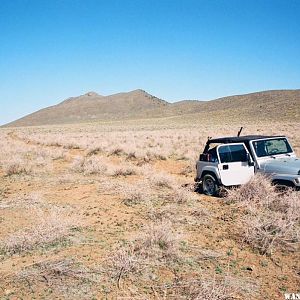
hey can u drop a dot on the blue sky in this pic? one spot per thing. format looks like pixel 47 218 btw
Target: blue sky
pixel 174 49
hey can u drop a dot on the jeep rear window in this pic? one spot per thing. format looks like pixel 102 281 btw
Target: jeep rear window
pixel 272 147
pixel 232 153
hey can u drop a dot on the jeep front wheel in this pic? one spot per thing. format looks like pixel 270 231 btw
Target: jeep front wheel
pixel 210 185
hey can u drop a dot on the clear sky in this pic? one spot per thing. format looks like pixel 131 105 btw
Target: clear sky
pixel 175 49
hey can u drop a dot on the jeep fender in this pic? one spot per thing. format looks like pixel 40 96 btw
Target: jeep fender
pixel 285 179
pixel 213 170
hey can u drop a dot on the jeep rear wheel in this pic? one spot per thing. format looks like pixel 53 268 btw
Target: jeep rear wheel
pixel 210 185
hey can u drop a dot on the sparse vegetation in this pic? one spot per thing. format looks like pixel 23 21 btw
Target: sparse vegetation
pixel 124 171
pixel 160 238
pixel 162 180
pixel 88 166
pixel 205 289
pixel 137 193
pixel 17 167
pixel 182 195
pixel 50 227
pixel 67 277
pixel 109 211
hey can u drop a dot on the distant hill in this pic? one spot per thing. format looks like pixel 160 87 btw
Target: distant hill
pixel 277 105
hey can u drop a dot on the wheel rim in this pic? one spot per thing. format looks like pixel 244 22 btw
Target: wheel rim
pixel 209 186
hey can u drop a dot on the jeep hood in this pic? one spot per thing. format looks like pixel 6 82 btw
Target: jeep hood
pixel 288 165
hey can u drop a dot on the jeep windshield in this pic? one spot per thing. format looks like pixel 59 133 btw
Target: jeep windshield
pixel 270 147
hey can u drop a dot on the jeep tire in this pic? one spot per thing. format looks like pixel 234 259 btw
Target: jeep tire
pixel 210 186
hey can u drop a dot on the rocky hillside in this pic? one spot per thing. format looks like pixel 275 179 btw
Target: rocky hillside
pixel 137 104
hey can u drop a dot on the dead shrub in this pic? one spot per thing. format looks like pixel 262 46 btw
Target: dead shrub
pixel 156 245
pixel 94 151
pixel 89 166
pixel 51 227
pixel 269 230
pixel 162 180
pixel 131 156
pixel 124 262
pixel 158 240
pixel 152 155
pixel 117 151
pixel 78 164
pixel 67 277
pixel 124 171
pixel 287 203
pixel 71 145
pixel 58 154
pixel 272 218
pixel 30 201
pixel 204 289
pixel 17 167
pixel 182 195
pixel 136 193
pixel 259 189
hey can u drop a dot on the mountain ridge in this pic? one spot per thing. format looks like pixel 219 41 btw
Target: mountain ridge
pixel 140 104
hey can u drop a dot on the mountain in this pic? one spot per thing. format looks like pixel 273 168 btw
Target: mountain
pixel 272 105
pixel 92 106
pixel 276 104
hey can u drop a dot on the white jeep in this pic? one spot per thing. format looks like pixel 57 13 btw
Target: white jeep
pixel 232 161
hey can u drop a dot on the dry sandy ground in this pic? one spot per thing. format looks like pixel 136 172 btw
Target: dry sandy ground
pixel 109 212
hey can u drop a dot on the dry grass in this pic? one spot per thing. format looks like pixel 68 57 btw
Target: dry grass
pixel 161 180
pixel 30 201
pixel 149 142
pixel 89 166
pixel 67 277
pixel 272 219
pixel 94 150
pixel 17 159
pixel 123 171
pixel 268 231
pixel 157 248
pixel 51 227
pixel 139 211
pixel 204 289
pixel 117 151
pixel 157 245
pixel 17 167
pixel 182 195
pixel 122 263
pixel 258 190
pixel 158 240
pixel 136 193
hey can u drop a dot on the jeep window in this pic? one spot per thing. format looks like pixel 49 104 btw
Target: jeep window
pixel 272 147
pixel 232 153
pixel 213 154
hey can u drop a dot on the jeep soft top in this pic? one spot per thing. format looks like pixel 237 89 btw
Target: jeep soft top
pixel 237 139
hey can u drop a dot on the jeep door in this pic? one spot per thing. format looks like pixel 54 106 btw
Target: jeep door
pixel 234 166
